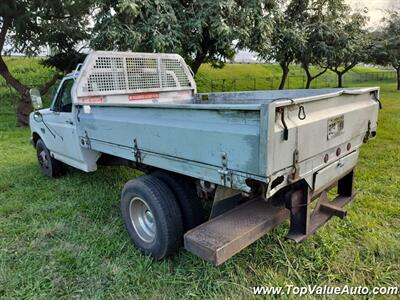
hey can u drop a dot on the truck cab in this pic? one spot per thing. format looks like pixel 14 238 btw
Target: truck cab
pixel 56 126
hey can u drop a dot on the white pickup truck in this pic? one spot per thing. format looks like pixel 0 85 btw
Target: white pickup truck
pixel 260 156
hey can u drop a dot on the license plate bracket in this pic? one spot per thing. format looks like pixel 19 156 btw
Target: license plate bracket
pixel 335 127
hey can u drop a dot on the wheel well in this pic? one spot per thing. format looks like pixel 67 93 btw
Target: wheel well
pixel 35 138
pixel 111 160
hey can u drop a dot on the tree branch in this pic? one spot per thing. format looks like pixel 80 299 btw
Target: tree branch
pixel 306 69
pixel 10 79
pixel 7 22
pixel 396 67
pixel 349 67
pixel 202 53
pixel 45 88
pixel 320 73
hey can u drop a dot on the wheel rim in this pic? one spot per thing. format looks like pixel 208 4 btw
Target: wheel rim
pixel 142 219
pixel 43 159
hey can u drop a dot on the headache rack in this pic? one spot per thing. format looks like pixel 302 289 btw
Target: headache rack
pixel 106 75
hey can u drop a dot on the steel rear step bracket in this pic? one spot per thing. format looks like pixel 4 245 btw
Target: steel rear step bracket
pixel 303 222
pixel 225 235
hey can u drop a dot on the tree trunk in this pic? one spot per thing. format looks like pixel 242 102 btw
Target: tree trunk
pixel 398 78
pixel 308 82
pixel 285 72
pixel 45 89
pixel 310 77
pixel 341 73
pixel 203 51
pixel 197 62
pixel 24 106
pixel 308 74
pixel 23 111
pixel 340 81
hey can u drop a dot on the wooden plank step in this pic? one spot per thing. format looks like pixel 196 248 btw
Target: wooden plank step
pixel 222 237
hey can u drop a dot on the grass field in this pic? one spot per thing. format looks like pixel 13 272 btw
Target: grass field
pixel 260 76
pixel 64 238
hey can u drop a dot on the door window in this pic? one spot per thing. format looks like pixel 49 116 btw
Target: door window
pixel 63 102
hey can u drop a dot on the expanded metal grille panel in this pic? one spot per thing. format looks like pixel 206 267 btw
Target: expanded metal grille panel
pixel 108 63
pixel 115 72
pixel 108 75
pixel 172 72
pixel 142 73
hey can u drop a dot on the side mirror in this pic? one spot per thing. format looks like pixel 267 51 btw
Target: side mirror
pixel 36 99
pixel 37 116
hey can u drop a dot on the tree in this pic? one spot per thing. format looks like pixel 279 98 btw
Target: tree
pixel 349 44
pixel 314 51
pixel 316 18
pixel 285 42
pixel 31 25
pixel 211 27
pixel 316 32
pixel 386 50
pixel 201 31
pixel 333 39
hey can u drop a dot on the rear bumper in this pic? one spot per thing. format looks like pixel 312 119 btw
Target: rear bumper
pixel 225 235
pixel 304 221
pixel 330 174
pixel 318 175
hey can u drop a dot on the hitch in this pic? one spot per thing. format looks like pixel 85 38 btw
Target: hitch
pixel 304 221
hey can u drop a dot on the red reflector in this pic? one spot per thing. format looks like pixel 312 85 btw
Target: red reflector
pixel 143 96
pixel 338 151
pixel 92 100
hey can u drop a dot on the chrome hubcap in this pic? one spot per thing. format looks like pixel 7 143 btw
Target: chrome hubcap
pixel 43 159
pixel 142 219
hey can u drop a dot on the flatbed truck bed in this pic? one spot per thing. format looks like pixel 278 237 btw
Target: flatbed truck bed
pixel 286 148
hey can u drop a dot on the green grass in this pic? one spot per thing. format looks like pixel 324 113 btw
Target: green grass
pixel 29 71
pixel 261 76
pixel 64 238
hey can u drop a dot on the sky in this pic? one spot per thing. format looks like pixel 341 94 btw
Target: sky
pixel 376 11
pixel 376 8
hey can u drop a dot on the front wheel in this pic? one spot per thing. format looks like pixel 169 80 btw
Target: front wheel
pixel 48 165
pixel 152 216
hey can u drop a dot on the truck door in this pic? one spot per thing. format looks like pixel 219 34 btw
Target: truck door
pixel 61 122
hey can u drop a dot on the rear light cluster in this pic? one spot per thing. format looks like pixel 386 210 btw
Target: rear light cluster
pixel 338 152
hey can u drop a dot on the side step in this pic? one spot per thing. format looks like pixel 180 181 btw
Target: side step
pixel 222 237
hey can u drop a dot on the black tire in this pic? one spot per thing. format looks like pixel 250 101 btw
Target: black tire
pixel 185 193
pixel 166 235
pixel 48 165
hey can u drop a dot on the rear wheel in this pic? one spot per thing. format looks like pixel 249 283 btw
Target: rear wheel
pixel 152 216
pixel 186 195
pixel 48 165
